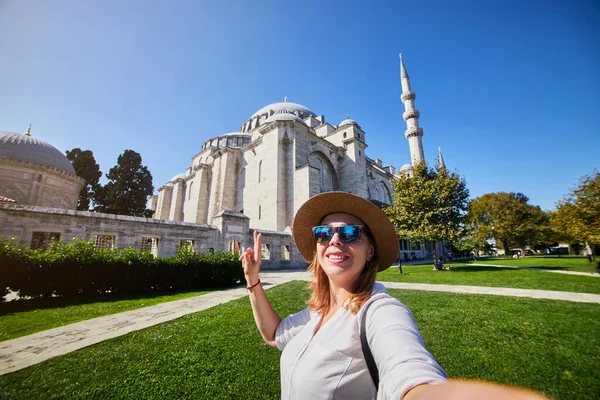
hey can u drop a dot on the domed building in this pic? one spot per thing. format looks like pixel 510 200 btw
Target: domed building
pixel 33 172
pixel 254 178
pixel 283 154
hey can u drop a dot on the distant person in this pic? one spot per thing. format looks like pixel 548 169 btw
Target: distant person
pixel 347 240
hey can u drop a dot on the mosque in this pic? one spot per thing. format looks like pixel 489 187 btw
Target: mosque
pixel 255 178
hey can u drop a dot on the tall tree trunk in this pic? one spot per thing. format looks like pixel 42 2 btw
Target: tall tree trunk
pixel 506 247
pixel 434 252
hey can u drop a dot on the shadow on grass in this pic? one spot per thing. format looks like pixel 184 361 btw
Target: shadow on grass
pixel 57 302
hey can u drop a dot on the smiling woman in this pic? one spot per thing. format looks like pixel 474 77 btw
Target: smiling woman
pixel 334 348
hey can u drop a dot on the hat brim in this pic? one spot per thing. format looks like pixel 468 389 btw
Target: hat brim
pixel 312 212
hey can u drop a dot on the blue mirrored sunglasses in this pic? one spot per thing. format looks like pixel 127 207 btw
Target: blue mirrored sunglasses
pixel 347 233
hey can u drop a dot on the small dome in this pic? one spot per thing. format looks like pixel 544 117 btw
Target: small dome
pixel 347 121
pixel 236 134
pixel 177 177
pixel 406 167
pixel 17 146
pixel 231 139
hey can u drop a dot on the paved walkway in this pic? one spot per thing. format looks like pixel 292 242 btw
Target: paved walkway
pixel 29 350
pixel 556 271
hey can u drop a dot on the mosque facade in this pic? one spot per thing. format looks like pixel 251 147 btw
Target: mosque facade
pixel 252 179
pixel 283 155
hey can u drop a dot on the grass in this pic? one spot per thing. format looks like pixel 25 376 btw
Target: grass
pixel 550 346
pixel 14 322
pixel 470 275
pixel 40 316
pixel 563 263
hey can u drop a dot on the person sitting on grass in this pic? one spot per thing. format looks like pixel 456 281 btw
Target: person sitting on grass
pixel 347 240
pixel 439 266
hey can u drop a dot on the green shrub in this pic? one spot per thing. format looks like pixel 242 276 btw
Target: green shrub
pixel 78 269
pixel 12 257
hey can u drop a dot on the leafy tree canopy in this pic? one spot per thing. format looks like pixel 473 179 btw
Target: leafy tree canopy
pixel 430 205
pixel 85 167
pixel 509 218
pixel 577 216
pixel 129 185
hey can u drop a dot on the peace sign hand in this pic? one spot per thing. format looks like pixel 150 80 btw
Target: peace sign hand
pixel 251 259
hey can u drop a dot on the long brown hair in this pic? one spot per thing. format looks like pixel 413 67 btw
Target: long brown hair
pixel 320 298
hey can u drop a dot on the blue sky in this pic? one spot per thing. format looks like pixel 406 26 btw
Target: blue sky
pixel 509 89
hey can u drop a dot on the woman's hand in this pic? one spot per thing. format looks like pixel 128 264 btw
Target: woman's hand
pixel 251 259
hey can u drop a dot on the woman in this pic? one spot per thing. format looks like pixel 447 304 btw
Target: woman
pixel 347 240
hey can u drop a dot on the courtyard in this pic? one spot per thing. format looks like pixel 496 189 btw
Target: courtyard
pixel 205 345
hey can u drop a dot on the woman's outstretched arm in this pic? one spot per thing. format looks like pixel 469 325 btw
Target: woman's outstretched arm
pixel 471 390
pixel 265 317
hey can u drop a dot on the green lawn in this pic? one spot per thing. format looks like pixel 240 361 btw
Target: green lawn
pixel 551 346
pixel 15 323
pixel 467 274
pixel 563 263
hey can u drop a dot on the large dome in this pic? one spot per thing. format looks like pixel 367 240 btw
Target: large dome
pixel 285 107
pixel 17 146
pixel 284 116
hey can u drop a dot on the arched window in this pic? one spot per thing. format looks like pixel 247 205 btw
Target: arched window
pixel 260 171
pixel 190 190
pixel 386 196
pixel 239 196
pixel 327 174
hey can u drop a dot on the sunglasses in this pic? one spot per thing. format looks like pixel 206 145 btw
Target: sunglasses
pixel 347 233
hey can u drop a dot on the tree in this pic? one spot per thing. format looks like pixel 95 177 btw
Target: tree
pixel 509 218
pixel 431 205
pixel 577 216
pixel 85 167
pixel 129 185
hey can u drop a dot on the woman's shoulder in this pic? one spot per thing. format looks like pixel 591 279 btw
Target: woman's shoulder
pixel 383 305
pixel 380 297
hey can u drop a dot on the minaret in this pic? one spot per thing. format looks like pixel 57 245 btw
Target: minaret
pixel 413 133
pixel 441 164
pixel 28 133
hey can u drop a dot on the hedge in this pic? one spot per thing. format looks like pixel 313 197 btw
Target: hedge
pixel 79 269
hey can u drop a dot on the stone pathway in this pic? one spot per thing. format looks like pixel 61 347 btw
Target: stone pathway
pixel 29 350
pixel 498 291
pixel 541 270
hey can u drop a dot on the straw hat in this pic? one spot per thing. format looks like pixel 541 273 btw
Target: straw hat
pixel 312 212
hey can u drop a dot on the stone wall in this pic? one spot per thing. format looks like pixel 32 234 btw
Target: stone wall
pixel 37 185
pixel 278 255
pixel 22 221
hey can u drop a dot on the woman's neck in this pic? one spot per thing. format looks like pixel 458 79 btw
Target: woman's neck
pixel 339 295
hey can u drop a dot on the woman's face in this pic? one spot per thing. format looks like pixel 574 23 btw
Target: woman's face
pixel 343 262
